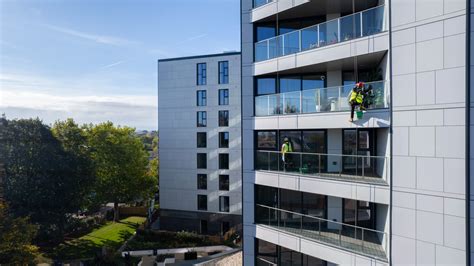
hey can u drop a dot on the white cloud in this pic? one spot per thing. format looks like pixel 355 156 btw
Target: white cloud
pixel 193 38
pixel 132 110
pixel 24 95
pixel 112 65
pixel 104 39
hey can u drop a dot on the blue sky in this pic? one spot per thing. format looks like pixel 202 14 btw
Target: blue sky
pixel 95 60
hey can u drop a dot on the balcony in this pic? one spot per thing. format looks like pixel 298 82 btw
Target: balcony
pixel 364 241
pixel 331 99
pixel 358 168
pixel 361 24
pixel 259 3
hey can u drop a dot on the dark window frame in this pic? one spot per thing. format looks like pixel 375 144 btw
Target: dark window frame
pixel 223 67
pixel 224 185
pixel 224 208
pixel 201 74
pixel 201 98
pixel 200 184
pixel 199 207
pixel 224 121
pixel 198 134
pixel 222 164
pixel 221 143
pixel 203 118
pixel 225 96
pixel 301 78
pixel 200 154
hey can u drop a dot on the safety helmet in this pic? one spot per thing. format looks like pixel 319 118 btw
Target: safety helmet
pixel 360 84
pixel 286 139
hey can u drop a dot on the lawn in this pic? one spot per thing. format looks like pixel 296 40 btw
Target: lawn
pixel 111 235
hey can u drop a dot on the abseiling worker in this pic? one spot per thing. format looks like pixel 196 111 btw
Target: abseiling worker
pixel 356 98
pixel 285 148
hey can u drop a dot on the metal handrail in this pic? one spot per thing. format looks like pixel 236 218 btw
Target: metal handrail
pixel 327 88
pixel 321 219
pixel 311 100
pixel 327 154
pixel 328 21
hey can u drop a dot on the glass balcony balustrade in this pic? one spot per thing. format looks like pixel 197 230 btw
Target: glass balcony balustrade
pixel 349 237
pixel 319 100
pixel 364 168
pixel 361 24
pixel 258 3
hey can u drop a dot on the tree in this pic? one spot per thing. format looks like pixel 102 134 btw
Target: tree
pixel 43 181
pixel 16 235
pixel 74 140
pixel 120 162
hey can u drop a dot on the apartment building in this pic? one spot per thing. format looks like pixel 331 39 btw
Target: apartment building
pixel 389 188
pixel 199 126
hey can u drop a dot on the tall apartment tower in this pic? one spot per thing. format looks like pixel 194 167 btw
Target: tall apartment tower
pixel 389 188
pixel 199 127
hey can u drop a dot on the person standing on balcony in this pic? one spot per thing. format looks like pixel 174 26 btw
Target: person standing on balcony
pixel 356 98
pixel 285 148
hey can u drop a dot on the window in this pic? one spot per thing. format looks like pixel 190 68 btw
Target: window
pixel 201 98
pixel 201 119
pixel 267 140
pixel 201 139
pixel 266 86
pixel 225 226
pixel 290 83
pixel 224 97
pixel 201 161
pixel 223 161
pixel 202 181
pixel 203 227
pixel 224 182
pixel 202 202
pixel 223 139
pixel 201 74
pixel 223 118
pixel 223 203
pixel 224 72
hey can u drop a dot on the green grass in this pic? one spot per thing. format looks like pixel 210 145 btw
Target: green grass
pixel 111 235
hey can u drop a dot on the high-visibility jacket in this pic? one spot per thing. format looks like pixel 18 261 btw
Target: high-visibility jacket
pixel 356 96
pixel 286 147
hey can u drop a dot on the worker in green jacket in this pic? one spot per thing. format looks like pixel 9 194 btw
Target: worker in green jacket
pixel 356 98
pixel 285 148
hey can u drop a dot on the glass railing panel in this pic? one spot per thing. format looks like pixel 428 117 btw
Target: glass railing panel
pixel 320 100
pixel 309 38
pixel 344 235
pixel 258 3
pixel 329 98
pixel 267 160
pixel 329 33
pixel 346 28
pixel 350 27
pixel 290 102
pixel 290 43
pixel 372 21
pixel 310 101
pixel 261 51
pixel 352 167
pixel 266 105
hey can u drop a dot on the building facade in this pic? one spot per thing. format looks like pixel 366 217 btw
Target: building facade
pixel 389 188
pixel 199 126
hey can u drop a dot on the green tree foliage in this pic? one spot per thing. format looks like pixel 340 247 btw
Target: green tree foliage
pixel 43 181
pixel 16 235
pixel 121 164
pixel 74 140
